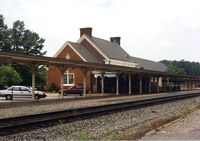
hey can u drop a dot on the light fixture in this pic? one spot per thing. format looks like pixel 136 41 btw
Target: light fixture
pixel 46 67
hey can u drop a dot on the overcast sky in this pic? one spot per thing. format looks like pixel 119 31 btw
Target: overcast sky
pixel 149 29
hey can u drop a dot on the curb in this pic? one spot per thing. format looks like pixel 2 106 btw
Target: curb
pixel 168 124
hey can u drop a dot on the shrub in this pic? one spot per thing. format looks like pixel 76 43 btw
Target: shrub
pixel 52 87
pixel 80 84
pixel 45 90
pixel 57 89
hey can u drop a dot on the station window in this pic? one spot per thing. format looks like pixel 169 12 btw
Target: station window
pixel 68 79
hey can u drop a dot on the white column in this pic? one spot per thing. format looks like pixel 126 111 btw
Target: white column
pixel 61 85
pixel 33 70
pixel 117 83
pixel 62 71
pixel 84 81
pixel 190 84
pixel 33 85
pixel 181 88
pixel 165 84
pixel 102 82
pixel 129 77
pixel 140 83
pixel 84 84
pixel 149 84
pixel 157 84
pixel 170 84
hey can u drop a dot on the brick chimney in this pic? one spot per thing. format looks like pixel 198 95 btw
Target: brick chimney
pixel 115 39
pixel 87 30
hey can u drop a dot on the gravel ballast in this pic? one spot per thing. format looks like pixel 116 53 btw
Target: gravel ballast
pixel 105 127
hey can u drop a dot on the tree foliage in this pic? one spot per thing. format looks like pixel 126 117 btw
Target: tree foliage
pixel 40 76
pixel 52 87
pixel 21 40
pixel 175 69
pixel 182 67
pixel 9 76
pixel 25 41
pixel 5 40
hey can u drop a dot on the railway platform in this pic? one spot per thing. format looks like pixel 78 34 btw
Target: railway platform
pixel 54 98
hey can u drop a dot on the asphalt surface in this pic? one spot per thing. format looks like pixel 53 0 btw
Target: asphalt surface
pixel 55 98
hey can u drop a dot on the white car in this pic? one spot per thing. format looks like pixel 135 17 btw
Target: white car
pixel 20 92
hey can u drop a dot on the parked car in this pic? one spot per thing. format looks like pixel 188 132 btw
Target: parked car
pixel 20 92
pixel 74 90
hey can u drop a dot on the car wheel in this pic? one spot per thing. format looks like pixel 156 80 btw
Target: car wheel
pixel 36 97
pixel 65 93
pixel 8 97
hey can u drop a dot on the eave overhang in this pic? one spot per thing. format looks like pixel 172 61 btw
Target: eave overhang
pixel 57 62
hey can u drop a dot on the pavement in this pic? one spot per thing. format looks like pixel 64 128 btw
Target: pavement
pixel 53 98
pixel 187 128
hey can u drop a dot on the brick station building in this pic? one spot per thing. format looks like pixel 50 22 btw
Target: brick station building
pixel 92 49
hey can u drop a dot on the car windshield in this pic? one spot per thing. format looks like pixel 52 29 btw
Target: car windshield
pixel 10 89
pixel 79 87
pixel 71 87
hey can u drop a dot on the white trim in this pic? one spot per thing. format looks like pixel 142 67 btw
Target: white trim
pixel 67 56
pixel 68 84
pixel 120 63
pixel 97 72
pixel 62 48
pixel 85 37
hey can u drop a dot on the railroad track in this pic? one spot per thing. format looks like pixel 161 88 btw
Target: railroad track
pixel 15 125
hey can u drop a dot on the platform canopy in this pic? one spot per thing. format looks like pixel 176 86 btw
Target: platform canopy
pixel 35 61
pixel 57 62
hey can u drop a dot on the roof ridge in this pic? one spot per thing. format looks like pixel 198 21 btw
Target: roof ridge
pixel 144 59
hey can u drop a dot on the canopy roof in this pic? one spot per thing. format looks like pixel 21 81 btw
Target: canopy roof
pixel 57 62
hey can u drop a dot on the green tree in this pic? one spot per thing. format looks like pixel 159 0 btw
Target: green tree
pixel 195 70
pixel 5 42
pixel 42 72
pixel 175 69
pixel 21 40
pixel 9 76
pixel 190 68
pixel 17 36
pixel 26 75
pixel 25 41
pixel 165 62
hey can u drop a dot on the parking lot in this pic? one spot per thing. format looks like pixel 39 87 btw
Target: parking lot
pixel 49 96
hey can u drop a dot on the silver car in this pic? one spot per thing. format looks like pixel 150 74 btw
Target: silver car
pixel 20 92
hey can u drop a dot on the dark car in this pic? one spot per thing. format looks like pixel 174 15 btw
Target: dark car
pixel 74 90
